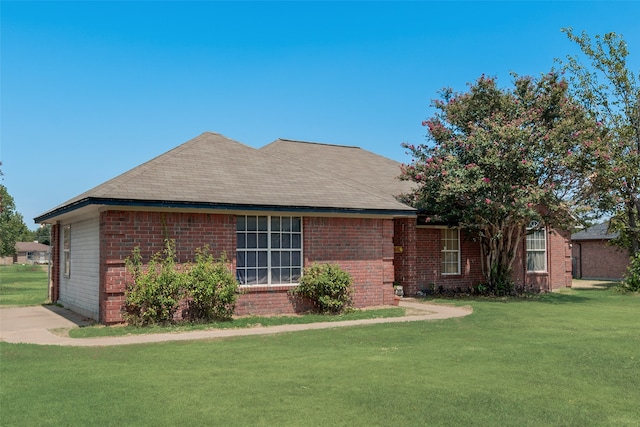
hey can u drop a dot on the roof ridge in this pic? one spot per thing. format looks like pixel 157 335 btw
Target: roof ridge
pixel 317 143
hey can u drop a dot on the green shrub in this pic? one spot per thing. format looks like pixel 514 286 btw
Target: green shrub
pixel 154 293
pixel 328 287
pixel 631 281
pixel 210 288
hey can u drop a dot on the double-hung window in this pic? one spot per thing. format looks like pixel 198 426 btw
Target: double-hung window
pixel 536 248
pixel 450 251
pixel 269 249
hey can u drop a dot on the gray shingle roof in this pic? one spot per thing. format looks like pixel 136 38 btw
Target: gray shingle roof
pixel 214 170
pixel 596 232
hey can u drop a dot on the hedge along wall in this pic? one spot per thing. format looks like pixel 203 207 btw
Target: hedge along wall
pixel 121 231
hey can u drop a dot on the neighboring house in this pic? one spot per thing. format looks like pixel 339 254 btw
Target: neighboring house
pixel 273 211
pixel 28 253
pixel 594 257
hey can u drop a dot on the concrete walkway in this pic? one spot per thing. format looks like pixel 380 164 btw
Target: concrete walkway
pixel 34 325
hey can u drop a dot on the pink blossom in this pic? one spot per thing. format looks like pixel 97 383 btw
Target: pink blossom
pixel 487 201
pixel 486 180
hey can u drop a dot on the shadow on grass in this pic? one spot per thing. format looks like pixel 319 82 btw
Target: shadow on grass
pixel 550 298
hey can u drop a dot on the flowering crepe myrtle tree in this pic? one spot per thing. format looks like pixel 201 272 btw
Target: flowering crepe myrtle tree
pixel 498 160
pixel 611 93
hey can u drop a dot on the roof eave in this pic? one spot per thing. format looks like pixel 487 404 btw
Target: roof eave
pixel 218 206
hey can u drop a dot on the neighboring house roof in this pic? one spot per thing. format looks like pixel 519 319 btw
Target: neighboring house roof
pixel 31 247
pixel 212 171
pixel 596 232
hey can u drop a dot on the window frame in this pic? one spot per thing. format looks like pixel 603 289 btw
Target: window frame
pixel 444 238
pixel 533 231
pixel 66 251
pixel 267 246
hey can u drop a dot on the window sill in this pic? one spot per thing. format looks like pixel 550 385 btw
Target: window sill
pixel 266 288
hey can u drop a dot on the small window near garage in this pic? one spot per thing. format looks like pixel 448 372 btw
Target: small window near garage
pixel 66 250
pixel 450 251
pixel 536 248
pixel 269 250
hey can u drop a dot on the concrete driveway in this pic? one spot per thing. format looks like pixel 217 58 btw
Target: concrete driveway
pixel 33 325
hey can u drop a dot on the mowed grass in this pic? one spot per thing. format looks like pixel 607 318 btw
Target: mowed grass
pixel 239 322
pixel 23 285
pixel 570 358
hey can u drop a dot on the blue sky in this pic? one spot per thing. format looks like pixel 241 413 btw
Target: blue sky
pixel 92 89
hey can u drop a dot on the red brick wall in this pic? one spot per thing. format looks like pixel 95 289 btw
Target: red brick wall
pixel 121 231
pixel 363 247
pixel 429 262
pixel 558 274
pixel 596 259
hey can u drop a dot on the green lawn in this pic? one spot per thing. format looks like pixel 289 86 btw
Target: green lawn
pixel 23 284
pixel 570 358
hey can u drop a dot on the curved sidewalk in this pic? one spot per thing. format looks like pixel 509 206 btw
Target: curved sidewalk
pixel 33 325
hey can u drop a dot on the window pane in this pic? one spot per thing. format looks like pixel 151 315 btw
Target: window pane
pixel 275 240
pixel 240 258
pixel 262 223
pixel 262 259
pixel 286 240
pixel 285 275
pixel 295 241
pixel 275 259
pixel 242 241
pixel 295 259
pixel 252 240
pixel 275 223
pixel 286 223
pixel 295 275
pixel 285 259
pixel 263 240
pixel 296 224
pixel 251 259
pixel 242 223
pixel 275 275
pixel 251 277
pixel 536 261
pixel 263 278
pixel 240 275
pixel 252 223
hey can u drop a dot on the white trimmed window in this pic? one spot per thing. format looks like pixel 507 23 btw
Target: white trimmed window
pixel 66 250
pixel 536 248
pixel 269 250
pixel 450 251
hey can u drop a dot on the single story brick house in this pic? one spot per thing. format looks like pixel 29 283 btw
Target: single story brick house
pixel 273 211
pixel 595 258
pixel 28 253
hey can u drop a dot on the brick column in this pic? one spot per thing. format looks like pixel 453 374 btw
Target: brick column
pixel 405 257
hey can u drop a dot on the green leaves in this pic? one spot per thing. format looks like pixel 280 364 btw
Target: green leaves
pixel 498 158
pixel 155 292
pixel 611 93
pixel 328 286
